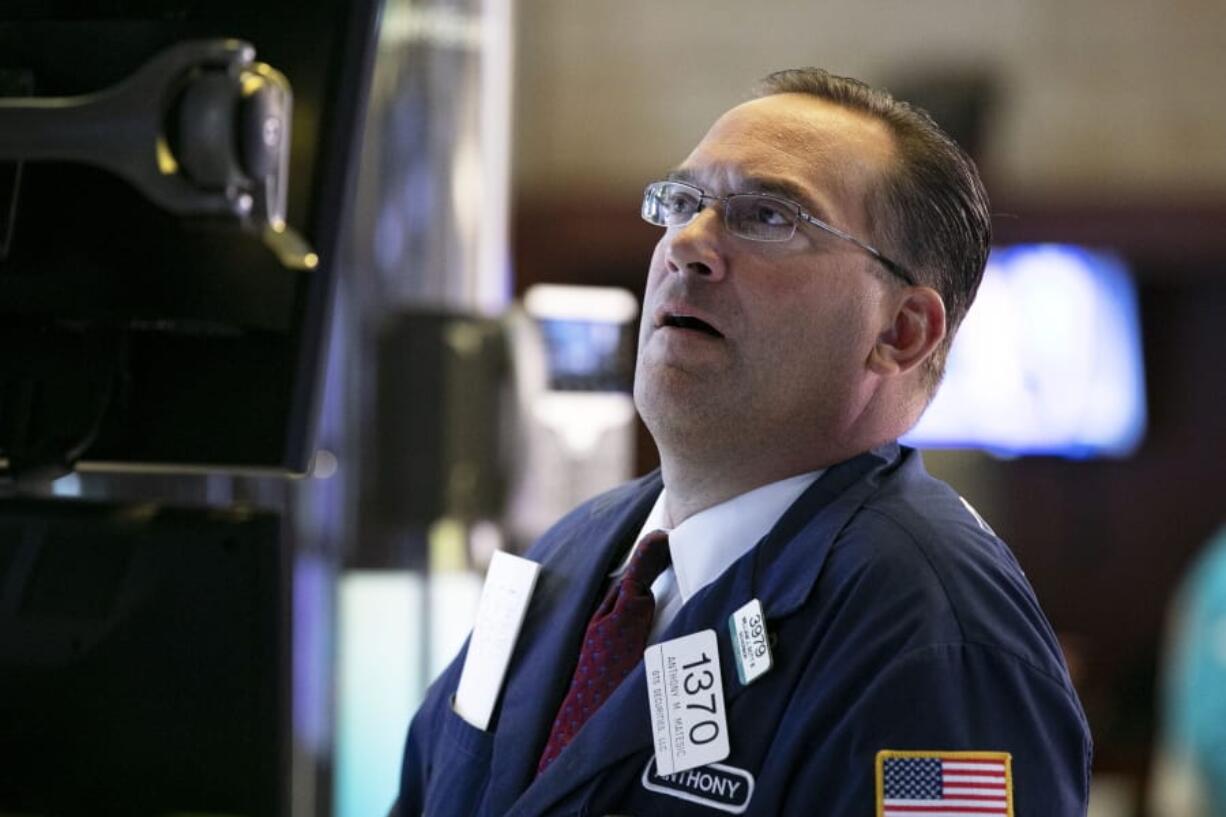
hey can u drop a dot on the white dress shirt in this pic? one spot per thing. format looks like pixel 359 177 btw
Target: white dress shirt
pixel 705 545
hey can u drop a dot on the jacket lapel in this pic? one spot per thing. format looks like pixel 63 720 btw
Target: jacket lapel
pixel 576 563
pixel 780 571
pixel 789 559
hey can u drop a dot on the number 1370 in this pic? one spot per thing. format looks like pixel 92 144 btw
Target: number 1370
pixel 695 683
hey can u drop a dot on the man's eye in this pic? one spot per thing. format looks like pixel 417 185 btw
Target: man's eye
pixel 771 214
pixel 680 203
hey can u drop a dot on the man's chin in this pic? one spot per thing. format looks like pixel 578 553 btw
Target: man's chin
pixel 672 386
pixel 675 402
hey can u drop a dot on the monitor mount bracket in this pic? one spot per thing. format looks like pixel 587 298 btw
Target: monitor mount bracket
pixel 202 130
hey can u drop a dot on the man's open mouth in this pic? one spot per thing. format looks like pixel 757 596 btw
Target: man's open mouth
pixel 692 323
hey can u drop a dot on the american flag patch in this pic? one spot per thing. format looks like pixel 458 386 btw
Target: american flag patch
pixel 944 784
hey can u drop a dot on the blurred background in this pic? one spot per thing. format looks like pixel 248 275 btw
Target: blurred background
pixel 454 372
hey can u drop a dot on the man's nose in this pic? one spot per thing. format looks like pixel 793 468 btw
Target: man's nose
pixel 697 248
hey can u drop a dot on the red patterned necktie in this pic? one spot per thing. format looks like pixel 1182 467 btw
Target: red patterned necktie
pixel 612 645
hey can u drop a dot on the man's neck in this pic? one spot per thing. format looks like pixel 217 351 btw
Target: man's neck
pixel 704 467
pixel 699 478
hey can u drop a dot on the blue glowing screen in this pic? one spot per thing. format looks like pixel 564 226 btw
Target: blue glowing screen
pixel 1047 361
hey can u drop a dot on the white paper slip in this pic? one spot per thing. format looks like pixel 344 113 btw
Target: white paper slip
pixel 750 643
pixel 504 602
pixel 686 695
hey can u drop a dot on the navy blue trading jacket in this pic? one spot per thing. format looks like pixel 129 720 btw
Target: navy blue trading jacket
pixel 899 622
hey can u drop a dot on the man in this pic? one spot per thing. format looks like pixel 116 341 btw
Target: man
pixel 821 244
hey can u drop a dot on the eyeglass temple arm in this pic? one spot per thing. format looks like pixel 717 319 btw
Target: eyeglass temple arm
pixel 894 267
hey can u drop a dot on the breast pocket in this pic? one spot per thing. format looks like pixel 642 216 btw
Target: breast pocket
pixel 460 769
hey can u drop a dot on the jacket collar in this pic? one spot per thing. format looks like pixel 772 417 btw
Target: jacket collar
pixel 784 574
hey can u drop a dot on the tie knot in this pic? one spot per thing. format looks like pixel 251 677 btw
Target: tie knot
pixel 650 559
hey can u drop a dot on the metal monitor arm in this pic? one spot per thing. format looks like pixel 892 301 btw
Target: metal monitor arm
pixel 201 130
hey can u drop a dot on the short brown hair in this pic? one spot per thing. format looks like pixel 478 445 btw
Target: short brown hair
pixel 932 212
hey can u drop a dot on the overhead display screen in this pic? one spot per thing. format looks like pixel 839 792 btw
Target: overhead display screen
pixel 1048 360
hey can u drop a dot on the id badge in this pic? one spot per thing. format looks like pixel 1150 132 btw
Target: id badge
pixel 686 695
pixel 750 642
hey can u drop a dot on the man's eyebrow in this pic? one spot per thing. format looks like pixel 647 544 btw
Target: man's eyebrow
pixel 785 189
pixel 682 175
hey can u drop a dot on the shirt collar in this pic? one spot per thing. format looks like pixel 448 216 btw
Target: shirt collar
pixel 706 544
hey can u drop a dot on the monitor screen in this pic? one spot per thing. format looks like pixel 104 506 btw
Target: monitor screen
pixel 143 660
pixel 587 335
pixel 133 335
pixel 1047 361
pixel 588 356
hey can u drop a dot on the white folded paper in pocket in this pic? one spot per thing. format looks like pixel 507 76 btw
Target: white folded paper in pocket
pixel 500 613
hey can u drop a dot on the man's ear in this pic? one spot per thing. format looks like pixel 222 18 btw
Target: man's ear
pixel 917 328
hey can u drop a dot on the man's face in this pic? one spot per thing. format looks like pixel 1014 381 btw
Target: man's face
pixel 796 320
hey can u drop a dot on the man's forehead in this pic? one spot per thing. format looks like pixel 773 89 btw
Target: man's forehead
pixel 806 120
pixel 792 139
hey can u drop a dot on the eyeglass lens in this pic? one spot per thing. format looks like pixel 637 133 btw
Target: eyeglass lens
pixel 749 215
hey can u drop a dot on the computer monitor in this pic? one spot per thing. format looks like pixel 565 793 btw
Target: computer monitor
pixel 1047 362
pixel 133 336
